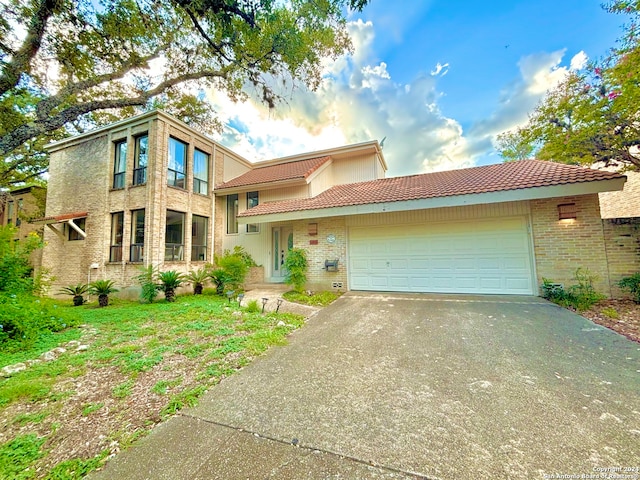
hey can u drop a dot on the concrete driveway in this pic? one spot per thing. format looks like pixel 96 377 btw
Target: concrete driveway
pixel 415 386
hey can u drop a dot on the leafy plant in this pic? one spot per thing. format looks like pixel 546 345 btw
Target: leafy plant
pixel 610 312
pixel 77 292
pixel 632 284
pixel 580 296
pixel 148 281
pixel 252 306
pixel 296 264
pixel 230 272
pixel 319 299
pixel 169 281
pixel 197 278
pixel 15 267
pixel 240 251
pixel 102 288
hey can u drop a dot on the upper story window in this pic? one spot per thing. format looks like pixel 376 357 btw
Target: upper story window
pixel 73 233
pixel 200 172
pixel 19 212
pixel 9 213
pixel 120 164
pixel 141 160
pixel 177 163
pixel 232 213
pixel 252 201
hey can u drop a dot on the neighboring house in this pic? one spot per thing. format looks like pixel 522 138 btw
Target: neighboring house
pixel 20 205
pixel 140 192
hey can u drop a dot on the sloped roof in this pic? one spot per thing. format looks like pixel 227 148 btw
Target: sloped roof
pixel 518 175
pixel 60 218
pixel 276 173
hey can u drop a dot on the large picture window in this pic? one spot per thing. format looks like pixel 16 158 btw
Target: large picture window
pixel 141 160
pixel 232 213
pixel 174 237
pixel 199 234
pixel 120 164
pixel 117 230
pixel 177 163
pixel 200 172
pixel 252 201
pixel 137 236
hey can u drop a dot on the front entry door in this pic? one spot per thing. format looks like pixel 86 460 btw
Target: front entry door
pixel 282 242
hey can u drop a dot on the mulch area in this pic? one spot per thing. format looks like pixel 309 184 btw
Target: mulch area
pixel 622 316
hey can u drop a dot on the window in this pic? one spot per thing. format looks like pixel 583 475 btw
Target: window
pixel 73 233
pixel 136 253
pixel 177 163
pixel 19 212
pixel 232 213
pixel 200 172
pixel 9 213
pixel 141 159
pixel 199 233
pixel 120 164
pixel 174 237
pixel 117 230
pixel 252 201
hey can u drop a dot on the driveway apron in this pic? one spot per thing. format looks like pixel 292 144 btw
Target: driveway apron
pixel 415 386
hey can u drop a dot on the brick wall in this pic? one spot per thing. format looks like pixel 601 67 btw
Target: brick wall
pixel 622 240
pixel 317 277
pixel 563 246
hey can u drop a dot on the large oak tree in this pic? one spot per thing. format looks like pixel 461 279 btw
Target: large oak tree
pixel 67 65
pixel 592 117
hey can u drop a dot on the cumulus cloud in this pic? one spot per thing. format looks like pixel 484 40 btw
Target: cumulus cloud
pixel 440 69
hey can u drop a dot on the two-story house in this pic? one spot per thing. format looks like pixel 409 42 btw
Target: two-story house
pixel 152 191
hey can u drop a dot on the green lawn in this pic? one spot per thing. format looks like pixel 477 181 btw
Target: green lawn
pixel 144 362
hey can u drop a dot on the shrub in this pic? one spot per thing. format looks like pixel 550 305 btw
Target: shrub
pixel 169 281
pixel 230 272
pixel 296 265
pixel 580 296
pixel 148 281
pixel 252 307
pixel 77 292
pixel 102 288
pixel 197 279
pixel 240 251
pixel 632 284
pixel 15 268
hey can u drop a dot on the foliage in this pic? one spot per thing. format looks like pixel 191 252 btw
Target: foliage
pixel 252 306
pixel 197 278
pixel 632 284
pixel 240 251
pixel 296 265
pixel 17 455
pixel 24 318
pixel 230 272
pixel 77 292
pixel 15 267
pixel 592 116
pixel 169 281
pixel 103 288
pixel 148 281
pixel 580 296
pixel 106 57
pixel 320 299
pixel 610 312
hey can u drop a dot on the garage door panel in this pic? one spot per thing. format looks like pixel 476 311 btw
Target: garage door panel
pixel 485 256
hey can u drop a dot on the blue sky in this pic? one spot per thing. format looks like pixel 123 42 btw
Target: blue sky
pixel 439 79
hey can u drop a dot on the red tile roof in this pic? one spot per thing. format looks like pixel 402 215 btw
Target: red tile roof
pixel 275 173
pixel 60 218
pixel 491 178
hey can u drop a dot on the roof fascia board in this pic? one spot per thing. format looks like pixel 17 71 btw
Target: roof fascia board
pixel 553 191
pixel 295 182
pixel 330 152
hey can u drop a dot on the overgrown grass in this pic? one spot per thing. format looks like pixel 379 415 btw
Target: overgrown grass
pixel 319 299
pixel 130 340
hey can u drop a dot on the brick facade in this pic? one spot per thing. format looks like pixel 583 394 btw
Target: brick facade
pixel 622 240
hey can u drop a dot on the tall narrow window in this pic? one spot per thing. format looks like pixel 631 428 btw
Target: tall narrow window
pixel 177 163
pixel 137 236
pixel 19 212
pixel 117 230
pixel 120 164
pixel 174 237
pixel 141 160
pixel 199 233
pixel 232 213
pixel 9 213
pixel 200 172
pixel 252 201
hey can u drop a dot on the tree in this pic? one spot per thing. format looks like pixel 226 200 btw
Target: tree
pixel 66 65
pixel 592 116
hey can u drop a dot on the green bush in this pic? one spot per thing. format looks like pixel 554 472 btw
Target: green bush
pixel 15 267
pixel 632 284
pixel 169 281
pixel 102 288
pixel 580 296
pixel 149 283
pixel 240 251
pixel 24 317
pixel 252 307
pixel 230 272
pixel 296 265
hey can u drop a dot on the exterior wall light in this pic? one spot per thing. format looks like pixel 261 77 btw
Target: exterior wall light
pixel 230 295
pixel 567 211
pixel 240 297
pixel 278 302
pixel 264 302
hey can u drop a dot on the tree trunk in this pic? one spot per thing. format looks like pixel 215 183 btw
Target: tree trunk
pixel 78 300
pixel 170 295
pixel 197 289
pixel 103 300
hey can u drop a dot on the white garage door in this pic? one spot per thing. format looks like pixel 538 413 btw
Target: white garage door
pixel 479 256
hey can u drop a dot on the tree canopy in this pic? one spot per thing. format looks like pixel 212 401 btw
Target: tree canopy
pixel 592 117
pixel 68 65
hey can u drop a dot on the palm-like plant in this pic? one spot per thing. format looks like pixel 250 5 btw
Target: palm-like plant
pixel 197 279
pixel 169 281
pixel 102 288
pixel 77 292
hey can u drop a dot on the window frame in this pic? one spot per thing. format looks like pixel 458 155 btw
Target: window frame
pixel 179 176
pixel 177 249
pixel 253 200
pixel 232 214
pixel 136 248
pixel 119 164
pixel 199 182
pixel 140 172
pixel 71 232
pixel 10 212
pixel 117 233
pixel 198 250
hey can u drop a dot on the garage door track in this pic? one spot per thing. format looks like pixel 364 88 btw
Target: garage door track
pixel 415 386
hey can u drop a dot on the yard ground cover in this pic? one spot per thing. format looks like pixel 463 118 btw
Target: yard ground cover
pixel 63 418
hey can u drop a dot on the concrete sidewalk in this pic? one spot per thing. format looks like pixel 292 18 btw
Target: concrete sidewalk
pixel 413 386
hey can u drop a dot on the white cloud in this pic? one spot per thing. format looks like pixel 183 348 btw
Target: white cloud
pixel 440 68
